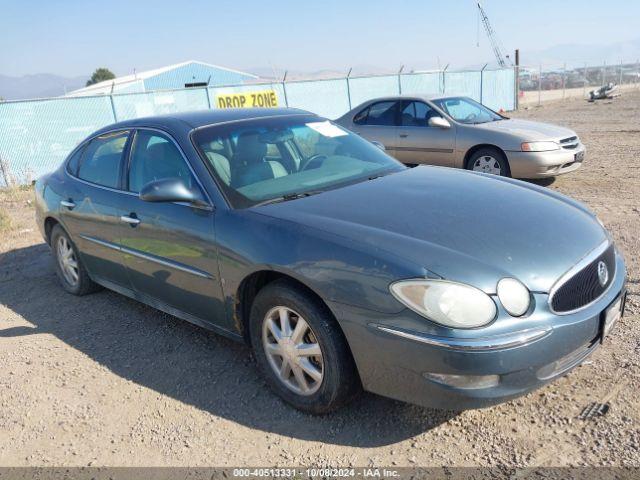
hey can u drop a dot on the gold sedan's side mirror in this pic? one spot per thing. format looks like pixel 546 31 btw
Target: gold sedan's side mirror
pixel 439 122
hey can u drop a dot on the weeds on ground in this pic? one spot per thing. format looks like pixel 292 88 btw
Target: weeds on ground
pixel 16 194
pixel 5 221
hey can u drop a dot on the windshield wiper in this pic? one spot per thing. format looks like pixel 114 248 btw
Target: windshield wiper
pixel 287 197
pixel 382 174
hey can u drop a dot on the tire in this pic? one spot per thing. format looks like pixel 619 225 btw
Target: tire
pixel 81 284
pixel 491 159
pixel 339 383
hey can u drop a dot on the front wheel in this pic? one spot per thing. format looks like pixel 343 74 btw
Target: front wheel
pixel 489 160
pixel 300 349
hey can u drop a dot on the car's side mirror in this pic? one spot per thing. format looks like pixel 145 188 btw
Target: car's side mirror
pixel 169 190
pixel 439 122
pixel 379 145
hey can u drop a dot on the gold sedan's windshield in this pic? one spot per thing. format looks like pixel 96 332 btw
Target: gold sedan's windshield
pixel 466 110
pixel 281 158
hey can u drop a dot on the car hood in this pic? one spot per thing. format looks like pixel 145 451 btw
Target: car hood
pixel 527 130
pixel 460 225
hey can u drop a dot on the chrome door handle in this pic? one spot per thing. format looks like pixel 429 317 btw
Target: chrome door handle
pixel 69 205
pixel 130 220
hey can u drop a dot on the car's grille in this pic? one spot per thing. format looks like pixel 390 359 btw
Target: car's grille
pixel 585 285
pixel 569 143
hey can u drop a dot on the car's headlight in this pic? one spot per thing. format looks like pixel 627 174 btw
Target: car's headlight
pixel 448 303
pixel 539 146
pixel 514 296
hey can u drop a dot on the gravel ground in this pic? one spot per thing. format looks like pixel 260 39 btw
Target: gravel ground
pixel 103 380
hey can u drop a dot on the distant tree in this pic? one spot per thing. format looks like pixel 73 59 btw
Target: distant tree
pixel 100 75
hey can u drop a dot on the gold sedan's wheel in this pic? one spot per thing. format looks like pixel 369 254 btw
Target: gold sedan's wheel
pixel 487 164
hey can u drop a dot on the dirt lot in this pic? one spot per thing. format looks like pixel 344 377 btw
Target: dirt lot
pixel 103 380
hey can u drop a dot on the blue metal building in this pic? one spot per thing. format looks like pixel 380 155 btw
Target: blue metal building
pixel 180 75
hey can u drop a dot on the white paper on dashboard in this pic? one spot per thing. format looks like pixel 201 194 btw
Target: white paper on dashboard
pixel 327 129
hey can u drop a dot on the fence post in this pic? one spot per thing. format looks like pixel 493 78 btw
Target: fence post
pixel 206 89
pixel 9 181
pixel 349 88
pixel 516 103
pixel 399 80
pixel 540 85
pixel 584 81
pixel 113 108
pixel 284 88
pixel 604 72
pixel 620 81
pixel 482 80
pixel 564 80
pixel 442 84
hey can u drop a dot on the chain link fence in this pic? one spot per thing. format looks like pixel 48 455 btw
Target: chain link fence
pixel 36 135
pixel 547 82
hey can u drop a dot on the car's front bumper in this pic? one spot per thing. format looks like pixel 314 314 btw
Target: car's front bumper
pixel 545 164
pixel 397 361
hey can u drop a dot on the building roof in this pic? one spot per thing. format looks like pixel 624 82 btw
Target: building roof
pixel 107 86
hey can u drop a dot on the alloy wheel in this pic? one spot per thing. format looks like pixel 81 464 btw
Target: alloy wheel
pixel 487 164
pixel 67 261
pixel 292 350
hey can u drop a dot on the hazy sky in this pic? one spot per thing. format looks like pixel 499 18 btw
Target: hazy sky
pixel 74 37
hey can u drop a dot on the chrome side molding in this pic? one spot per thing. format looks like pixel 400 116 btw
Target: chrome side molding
pixel 481 344
pixel 152 258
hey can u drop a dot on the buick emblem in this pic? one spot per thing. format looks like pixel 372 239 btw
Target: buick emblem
pixel 603 273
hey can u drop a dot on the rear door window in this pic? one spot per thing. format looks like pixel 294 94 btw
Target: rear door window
pixel 102 159
pixel 380 113
pixel 74 161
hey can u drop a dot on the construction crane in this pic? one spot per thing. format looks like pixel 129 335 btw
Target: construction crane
pixel 495 43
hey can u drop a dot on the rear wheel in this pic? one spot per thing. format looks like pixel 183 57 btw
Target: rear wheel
pixel 489 160
pixel 69 267
pixel 300 349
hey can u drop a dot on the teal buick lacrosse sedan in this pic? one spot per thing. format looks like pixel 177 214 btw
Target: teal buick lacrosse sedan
pixel 340 267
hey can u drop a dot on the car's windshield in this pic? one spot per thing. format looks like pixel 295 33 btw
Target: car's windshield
pixel 282 157
pixel 465 110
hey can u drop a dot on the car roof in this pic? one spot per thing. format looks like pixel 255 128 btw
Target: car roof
pixel 200 118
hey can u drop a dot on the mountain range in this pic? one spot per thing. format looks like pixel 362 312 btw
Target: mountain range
pixel 39 85
pixel 576 55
